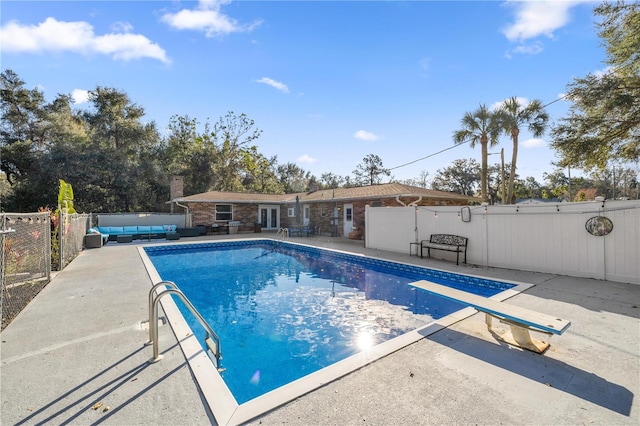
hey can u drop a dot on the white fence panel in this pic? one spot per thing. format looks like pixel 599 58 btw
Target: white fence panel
pixel 546 238
pixel 394 228
pixel 622 251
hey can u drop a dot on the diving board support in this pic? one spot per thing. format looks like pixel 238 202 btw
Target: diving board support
pixel 518 336
pixel 520 320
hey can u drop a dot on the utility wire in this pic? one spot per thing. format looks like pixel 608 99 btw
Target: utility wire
pixel 465 142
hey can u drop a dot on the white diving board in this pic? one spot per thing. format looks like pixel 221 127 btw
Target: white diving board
pixel 520 319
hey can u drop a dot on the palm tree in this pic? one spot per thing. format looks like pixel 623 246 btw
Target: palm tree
pixel 514 115
pixel 481 126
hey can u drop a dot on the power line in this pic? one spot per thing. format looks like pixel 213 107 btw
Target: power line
pixel 464 143
pixel 430 155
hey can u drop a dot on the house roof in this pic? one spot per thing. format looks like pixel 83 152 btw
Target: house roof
pixel 387 190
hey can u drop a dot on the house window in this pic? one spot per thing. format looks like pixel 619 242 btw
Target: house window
pixel 224 212
pixel 376 204
pixel 323 211
pixel 291 212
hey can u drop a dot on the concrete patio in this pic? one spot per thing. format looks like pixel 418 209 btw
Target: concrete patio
pixel 80 343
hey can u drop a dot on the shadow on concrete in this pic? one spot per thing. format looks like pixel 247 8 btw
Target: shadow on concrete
pixel 87 397
pixel 93 390
pixel 542 369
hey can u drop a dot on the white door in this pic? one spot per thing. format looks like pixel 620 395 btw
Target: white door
pixel 347 219
pixel 269 216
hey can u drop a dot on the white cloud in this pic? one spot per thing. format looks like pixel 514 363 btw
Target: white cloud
pixel 602 73
pixel 273 83
pixel 526 49
pixel 80 96
pixel 77 37
pixel 121 27
pixel 365 136
pixel 206 17
pixel 533 143
pixel 306 159
pixel 538 18
pixel 522 101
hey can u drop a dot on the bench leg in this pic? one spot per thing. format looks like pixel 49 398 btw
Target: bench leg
pixel 519 337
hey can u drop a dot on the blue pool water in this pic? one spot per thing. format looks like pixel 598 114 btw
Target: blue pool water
pixel 283 311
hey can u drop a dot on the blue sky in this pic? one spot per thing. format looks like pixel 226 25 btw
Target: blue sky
pixel 327 82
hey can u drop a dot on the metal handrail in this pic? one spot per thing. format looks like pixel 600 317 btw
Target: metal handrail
pixel 211 340
pixel 282 234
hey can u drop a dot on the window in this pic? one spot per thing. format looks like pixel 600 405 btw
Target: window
pixel 376 204
pixel 224 212
pixel 291 212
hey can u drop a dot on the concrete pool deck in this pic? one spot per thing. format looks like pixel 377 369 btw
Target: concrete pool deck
pixel 80 343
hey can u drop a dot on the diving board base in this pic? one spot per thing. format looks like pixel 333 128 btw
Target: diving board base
pixel 518 336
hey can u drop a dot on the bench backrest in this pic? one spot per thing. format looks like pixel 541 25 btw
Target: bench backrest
pixel 449 239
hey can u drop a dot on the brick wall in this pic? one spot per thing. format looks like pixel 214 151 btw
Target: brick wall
pixel 320 213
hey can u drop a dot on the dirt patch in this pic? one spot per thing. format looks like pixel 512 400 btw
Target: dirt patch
pixel 16 297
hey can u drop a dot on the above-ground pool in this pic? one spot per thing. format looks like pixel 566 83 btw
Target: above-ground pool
pixel 286 311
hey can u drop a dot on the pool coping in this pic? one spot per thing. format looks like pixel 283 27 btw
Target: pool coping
pixel 219 398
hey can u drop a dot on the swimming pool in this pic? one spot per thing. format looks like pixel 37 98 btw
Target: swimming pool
pixel 285 311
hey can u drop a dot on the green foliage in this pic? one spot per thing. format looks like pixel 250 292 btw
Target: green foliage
pixel 370 171
pixel 65 197
pixel 603 123
pixel 514 115
pixel 293 178
pixel 330 180
pixel 230 136
pixel 462 177
pixel 259 173
pixel 480 127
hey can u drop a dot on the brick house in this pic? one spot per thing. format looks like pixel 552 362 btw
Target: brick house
pixel 336 212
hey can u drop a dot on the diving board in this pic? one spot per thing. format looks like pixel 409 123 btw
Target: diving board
pixel 520 320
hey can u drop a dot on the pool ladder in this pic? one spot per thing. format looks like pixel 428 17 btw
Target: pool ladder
pixel 282 235
pixel 211 339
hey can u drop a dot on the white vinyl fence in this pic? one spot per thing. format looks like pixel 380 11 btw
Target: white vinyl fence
pixel 544 237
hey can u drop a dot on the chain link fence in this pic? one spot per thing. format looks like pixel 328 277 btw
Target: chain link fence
pixel 73 228
pixel 30 250
pixel 25 260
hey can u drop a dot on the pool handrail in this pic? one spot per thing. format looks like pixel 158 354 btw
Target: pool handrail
pixel 282 234
pixel 212 340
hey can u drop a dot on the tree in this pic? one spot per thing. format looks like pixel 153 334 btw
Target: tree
pixel 461 177
pixel 421 181
pixel 603 123
pixel 21 121
pixel 260 173
pixel 515 114
pixel 330 180
pixel 293 178
pixel 116 122
pixel 189 154
pixel 481 126
pixel 370 171
pixel 230 135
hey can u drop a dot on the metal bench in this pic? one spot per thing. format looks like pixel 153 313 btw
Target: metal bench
pixel 520 320
pixel 446 242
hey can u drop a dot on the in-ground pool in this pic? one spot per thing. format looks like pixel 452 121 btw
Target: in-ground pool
pixel 285 311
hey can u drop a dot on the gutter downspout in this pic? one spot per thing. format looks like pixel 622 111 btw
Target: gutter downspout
pixel 411 204
pixel 187 222
pixel 414 203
